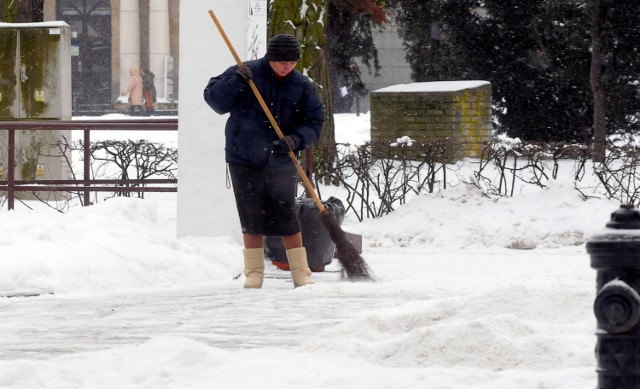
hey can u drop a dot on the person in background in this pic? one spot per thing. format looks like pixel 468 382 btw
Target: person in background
pixel 149 92
pixel 263 176
pixel 134 90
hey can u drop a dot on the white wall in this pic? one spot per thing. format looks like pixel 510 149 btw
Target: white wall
pixel 205 205
pixel 394 67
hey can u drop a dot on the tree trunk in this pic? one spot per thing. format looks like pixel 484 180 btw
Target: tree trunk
pixel 597 86
pixel 286 17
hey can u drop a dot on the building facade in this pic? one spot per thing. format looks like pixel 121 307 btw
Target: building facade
pixel 111 36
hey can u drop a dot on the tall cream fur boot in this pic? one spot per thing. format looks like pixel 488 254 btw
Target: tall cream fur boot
pixel 253 268
pixel 300 271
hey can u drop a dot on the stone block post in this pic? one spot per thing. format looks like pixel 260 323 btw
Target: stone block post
pixel 459 110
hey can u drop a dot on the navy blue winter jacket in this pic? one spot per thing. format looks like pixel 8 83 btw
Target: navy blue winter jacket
pixel 292 100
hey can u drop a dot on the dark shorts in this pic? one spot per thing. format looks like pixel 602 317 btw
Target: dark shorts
pixel 266 200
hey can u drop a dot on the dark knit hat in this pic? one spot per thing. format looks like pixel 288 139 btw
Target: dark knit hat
pixel 283 47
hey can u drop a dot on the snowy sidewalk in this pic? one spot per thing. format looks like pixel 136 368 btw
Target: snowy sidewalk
pixel 496 319
pixel 223 315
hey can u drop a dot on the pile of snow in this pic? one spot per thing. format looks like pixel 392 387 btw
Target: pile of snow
pixel 116 244
pixel 463 217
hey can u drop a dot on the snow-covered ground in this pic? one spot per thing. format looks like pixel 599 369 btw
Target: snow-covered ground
pixel 125 304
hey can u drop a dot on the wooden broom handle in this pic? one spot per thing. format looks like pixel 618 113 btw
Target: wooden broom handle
pixel 272 120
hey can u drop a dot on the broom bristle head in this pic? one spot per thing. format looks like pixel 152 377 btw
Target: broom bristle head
pixel 352 263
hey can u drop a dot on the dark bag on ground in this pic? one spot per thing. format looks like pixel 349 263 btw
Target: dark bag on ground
pixel 315 237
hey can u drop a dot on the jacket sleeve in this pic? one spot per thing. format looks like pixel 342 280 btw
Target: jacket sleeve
pixel 222 92
pixel 312 118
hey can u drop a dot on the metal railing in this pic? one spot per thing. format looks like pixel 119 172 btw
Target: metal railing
pixel 86 184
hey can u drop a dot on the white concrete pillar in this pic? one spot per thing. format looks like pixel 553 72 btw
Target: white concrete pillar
pixel 159 46
pixel 206 207
pixel 129 39
pixel 257 29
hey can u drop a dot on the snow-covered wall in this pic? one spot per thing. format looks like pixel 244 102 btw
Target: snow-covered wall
pixel 205 203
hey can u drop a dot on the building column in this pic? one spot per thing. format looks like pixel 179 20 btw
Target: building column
pixel 129 39
pixel 159 43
